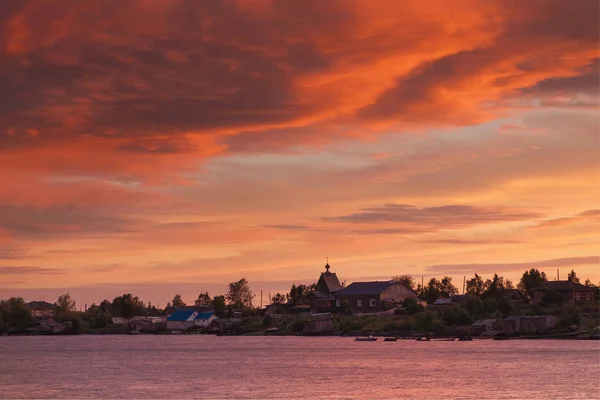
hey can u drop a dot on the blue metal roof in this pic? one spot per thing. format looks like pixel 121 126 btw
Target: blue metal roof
pixel 365 288
pixel 204 315
pixel 180 315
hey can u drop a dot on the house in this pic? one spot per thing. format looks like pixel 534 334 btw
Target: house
pixel 523 323
pixel 513 296
pixel 204 319
pixel 452 300
pixel 118 320
pixel 181 320
pixel 564 291
pixel 322 298
pixel 190 318
pixel 42 309
pixel 486 327
pixel 373 296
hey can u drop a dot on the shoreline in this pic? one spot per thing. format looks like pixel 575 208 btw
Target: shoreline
pixel 333 335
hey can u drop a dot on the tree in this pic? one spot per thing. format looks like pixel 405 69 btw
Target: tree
pixel 65 303
pixel 15 312
pixel 203 299
pixel 279 299
pixel 475 307
pixel 96 317
pixel 495 287
pixel 178 302
pixel 531 280
pixel 239 294
pixel 218 303
pixel 128 305
pixel 475 286
pixel 447 289
pixel 298 294
pixel 573 276
pixel 407 279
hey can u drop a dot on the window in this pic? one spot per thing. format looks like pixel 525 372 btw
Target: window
pixel 577 296
pixel 372 302
pixel 359 303
pixel 588 296
pixel 338 303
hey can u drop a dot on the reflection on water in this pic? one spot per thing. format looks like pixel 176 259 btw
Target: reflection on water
pixel 195 366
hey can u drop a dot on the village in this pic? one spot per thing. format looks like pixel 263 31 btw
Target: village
pixel 393 308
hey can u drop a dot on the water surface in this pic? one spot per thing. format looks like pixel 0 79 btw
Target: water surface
pixel 211 367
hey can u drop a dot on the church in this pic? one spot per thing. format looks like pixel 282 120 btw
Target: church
pixel 373 296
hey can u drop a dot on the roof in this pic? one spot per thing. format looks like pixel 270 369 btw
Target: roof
pixel 204 315
pixel 40 304
pixel 331 281
pixel 563 286
pixel 180 315
pixel 365 288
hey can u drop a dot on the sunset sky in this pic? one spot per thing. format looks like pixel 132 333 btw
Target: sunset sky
pixel 161 147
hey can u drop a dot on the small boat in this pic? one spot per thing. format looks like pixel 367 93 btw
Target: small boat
pixel 445 340
pixel 365 339
pixel 465 339
pixel 423 339
pixel 175 332
pixel 390 339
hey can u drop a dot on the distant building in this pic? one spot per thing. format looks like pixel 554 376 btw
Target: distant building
pixel 42 309
pixel 486 327
pixel 536 323
pixel 373 296
pixel 564 291
pixel 187 319
pixel 318 324
pixel 322 298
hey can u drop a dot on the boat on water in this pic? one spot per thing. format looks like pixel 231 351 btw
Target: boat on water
pixel 423 339
pixel 175 332
pixel 390 339
pixel 444 340
pixel 365 339
pixel 465 339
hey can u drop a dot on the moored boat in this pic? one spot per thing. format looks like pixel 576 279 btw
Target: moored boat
pixel 365 339
pixel 390 339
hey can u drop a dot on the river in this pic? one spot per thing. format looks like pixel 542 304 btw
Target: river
pixel 211 367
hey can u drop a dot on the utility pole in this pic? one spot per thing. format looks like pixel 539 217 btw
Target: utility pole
pixel 464 283
pixel 557 274
pixel 261 299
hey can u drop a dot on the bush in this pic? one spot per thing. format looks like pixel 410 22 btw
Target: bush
pixel 298 325
pixel 570 316
pixel 490 305
pixel 411 306
pixel 436 325
pixel 504 307
pixel 423 320
pixel 267 320
pixel 407 325
pixel 457 316
pixel 391 327
pixel 475 307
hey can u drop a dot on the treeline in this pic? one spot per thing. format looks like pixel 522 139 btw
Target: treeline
pixel 14 312
pixel 476 286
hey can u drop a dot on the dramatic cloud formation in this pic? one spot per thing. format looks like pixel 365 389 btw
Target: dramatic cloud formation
pixel 185 141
